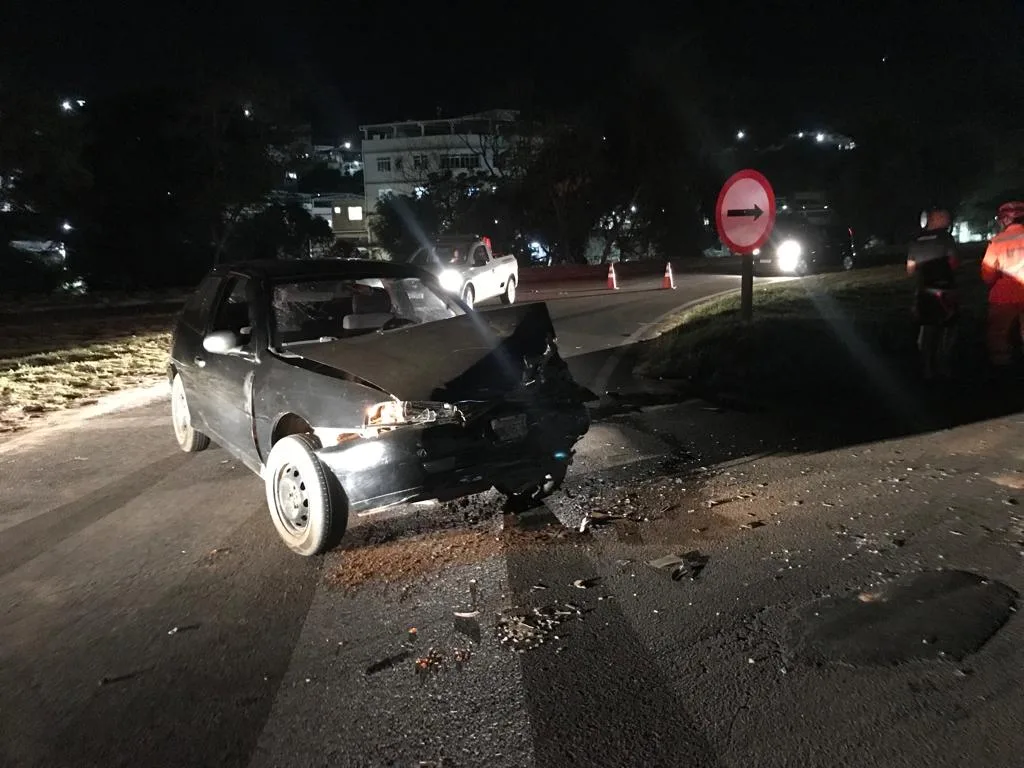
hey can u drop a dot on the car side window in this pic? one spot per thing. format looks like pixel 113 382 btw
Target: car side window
pixel 480 256
pixel 197 308
pixel 235 311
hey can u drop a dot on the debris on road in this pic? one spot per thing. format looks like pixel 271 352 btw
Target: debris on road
pixel 429 663
pixel 526 631
pixel 753 524
pixel 688 564
pixel 182 628
pixel 468 625
pixel 587 583
pixel 412 634
pixel 538 587
pixel 466 614
pixel 693 563
pixel 665 562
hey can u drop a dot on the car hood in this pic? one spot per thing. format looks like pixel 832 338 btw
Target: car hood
pixel 477 356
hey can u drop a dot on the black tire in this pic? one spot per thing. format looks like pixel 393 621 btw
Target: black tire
pixel 509 296
pixel 190 439
pixel 306 503
pixel 469 296
pixel 848 263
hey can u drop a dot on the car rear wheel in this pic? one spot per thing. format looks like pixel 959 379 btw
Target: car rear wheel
pixel 469 296
pixel 190 439
pixel 307 505
pixel 509 296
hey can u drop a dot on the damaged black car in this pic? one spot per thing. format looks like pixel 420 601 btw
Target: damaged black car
pixel 354 386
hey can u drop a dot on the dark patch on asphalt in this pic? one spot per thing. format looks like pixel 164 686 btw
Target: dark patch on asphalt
pixel 928 615
pixel 25 541
pixel 205 694
pixel 596 698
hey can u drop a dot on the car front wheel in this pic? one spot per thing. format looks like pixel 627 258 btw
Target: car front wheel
pixel 190 439
pixel 307 505
pixel 469 296
pixel 509 296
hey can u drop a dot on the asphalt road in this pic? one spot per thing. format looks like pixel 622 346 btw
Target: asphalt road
pixel 149 615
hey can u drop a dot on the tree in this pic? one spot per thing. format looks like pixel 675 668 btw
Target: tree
pixel 402 224
pixel 41 164
pixel 175 171
pixel 280 232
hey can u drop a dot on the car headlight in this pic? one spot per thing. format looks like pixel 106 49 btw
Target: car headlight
pixel 788 255
pixel 394 413
pixel 451 280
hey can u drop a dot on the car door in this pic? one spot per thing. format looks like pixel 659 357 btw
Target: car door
pixel 223 382
pixel 482 272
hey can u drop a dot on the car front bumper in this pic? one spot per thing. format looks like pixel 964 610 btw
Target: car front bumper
pixel 445 462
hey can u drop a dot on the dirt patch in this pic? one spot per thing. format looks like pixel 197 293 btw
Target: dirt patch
pixel 409 558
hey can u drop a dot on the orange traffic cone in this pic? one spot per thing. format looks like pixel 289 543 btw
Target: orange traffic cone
pixel 668 281
pixel 613 283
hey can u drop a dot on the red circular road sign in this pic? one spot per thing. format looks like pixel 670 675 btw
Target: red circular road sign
pixel 745 211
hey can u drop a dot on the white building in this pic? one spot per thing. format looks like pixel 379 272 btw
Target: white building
pixel 398 157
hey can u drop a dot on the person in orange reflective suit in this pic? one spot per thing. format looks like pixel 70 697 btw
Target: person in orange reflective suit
pixel 1002 269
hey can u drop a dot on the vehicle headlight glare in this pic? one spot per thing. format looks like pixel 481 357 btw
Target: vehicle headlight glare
pixel 451 280
pixel 788 255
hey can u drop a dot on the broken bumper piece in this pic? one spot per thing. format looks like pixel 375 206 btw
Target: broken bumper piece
pixel 508 447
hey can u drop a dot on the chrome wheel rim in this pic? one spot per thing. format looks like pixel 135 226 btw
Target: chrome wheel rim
pixel 468 297
pixel 511 291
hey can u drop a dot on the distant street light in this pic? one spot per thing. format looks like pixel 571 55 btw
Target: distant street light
pixel 66 227
pixel 741 135
pixel 247 112
pixel 348 145
pixel 819 138
pixel 66 105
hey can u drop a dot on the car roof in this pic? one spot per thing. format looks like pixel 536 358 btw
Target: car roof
pixel 295 269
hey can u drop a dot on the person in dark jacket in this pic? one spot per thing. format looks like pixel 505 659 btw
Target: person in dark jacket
pixel 932 260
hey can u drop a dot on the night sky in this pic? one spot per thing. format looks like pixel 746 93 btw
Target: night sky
pixel 365 61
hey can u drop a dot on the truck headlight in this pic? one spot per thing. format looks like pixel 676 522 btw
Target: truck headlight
pixel 451 280
pixel 788 255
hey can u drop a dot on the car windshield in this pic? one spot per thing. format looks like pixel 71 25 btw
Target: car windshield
pixel 330 309
pixel 441 254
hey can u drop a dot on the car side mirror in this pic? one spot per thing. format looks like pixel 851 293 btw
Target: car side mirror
pixel 221 342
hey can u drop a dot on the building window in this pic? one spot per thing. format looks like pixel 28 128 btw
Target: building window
pixel 398 163
pixel 384 194
pixel 384 164
pixel 460 161
pixel 355 213
pixel 420 162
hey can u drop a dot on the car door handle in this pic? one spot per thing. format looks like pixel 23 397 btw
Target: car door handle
pixel 199 361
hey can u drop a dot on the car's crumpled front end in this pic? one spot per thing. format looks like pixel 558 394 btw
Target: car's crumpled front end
pixel 483 401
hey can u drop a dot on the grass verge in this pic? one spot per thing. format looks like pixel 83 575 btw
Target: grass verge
pixel 46 368
pixel 822 339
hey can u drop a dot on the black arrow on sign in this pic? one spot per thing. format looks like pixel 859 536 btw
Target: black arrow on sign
pixel 740 212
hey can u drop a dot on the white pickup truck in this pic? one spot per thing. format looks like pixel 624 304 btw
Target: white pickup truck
pixel 466 267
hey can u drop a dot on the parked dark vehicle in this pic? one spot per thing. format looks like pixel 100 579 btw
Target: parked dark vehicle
pixel 350 386
pixel 799 246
